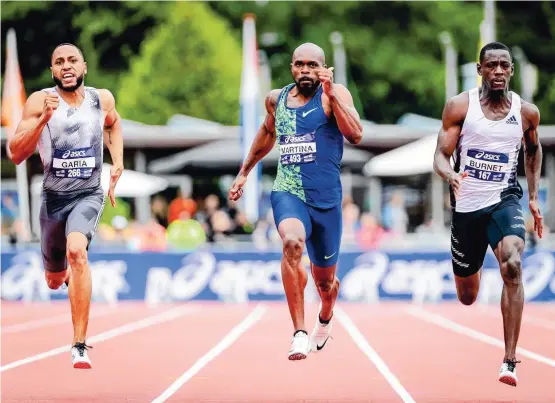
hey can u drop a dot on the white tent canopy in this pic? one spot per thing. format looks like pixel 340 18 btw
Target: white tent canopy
pixel 130 184
pixel 411 159
pixel 133 183
pixel 228 153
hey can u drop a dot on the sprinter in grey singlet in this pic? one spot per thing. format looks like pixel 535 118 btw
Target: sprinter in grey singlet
pixel 71 149
pixel 70 124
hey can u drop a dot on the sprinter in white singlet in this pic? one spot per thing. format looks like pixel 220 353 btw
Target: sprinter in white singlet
pixel 70 123
pixel 483 130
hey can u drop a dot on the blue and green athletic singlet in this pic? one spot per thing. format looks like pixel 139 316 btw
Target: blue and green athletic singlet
pixel 311 149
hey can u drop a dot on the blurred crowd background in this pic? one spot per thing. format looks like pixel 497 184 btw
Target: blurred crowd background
pixel 175 69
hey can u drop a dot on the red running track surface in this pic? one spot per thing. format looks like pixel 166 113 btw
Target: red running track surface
pixel 215 352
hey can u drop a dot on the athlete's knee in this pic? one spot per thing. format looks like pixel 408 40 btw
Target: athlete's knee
pixel 467 288
pixel 293 245
pixel 55 280
pixel 76 256
pixel 325 285
pixel 511 269
pixel 467 297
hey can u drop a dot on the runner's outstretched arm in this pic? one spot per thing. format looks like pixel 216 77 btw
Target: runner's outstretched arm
pixel 265 138
pixel 113 138
pixel 262 144
pixel 533 162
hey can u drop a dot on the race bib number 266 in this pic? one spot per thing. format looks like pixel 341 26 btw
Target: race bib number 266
pixel 76 163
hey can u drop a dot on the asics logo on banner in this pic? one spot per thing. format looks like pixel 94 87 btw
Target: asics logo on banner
pixel 74 154
pixel 489 157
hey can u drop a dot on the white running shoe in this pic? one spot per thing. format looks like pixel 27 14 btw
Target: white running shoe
pixel 507 373
pixel 320 334
pixel 300 346
pixel 79 356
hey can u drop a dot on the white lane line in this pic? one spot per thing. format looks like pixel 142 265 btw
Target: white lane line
pixel 254 316
pixel 54 320
pixel 380 364
pixel 118 331
pixel 474 334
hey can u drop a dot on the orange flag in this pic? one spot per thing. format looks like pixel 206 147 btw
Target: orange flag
pixel 13 91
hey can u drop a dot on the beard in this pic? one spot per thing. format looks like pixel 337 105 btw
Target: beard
pixel 307 86
pixel 69 88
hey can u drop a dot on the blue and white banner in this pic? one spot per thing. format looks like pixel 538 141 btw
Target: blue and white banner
pixel 239 277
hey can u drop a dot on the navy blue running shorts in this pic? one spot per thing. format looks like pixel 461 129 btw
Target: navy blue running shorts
pixel 472 232
pixel 323 227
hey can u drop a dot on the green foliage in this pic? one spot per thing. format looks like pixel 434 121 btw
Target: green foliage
pixel 108 33
pixel 189 65
pixel 395 60
pixel 395 57
pixel 122 208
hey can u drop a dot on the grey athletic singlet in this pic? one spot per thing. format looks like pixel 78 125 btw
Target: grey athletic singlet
pixel 71 145
pixel 71 148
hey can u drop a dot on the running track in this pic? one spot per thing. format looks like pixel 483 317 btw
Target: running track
pixel 212 352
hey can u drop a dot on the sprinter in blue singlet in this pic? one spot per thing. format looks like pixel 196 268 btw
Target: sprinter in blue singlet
pixel 308 121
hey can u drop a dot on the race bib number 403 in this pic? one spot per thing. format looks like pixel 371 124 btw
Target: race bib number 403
pixel 77 163
pixel 486 165
pixel 297 149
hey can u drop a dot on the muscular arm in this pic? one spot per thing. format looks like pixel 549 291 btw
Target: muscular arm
pixel 27 135
pixel 452 119
pixel 266 136
pixel 113 134
pixel 532 149
pixel 346 115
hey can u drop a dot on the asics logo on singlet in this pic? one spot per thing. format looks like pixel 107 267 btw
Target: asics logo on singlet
pixel 73 154
pixel 486 156
pixel 298 139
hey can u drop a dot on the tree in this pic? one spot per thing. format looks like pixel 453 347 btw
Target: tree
pixel 394 56
pixel 107 32
pixel 190 65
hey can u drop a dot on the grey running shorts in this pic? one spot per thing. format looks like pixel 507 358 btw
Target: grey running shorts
pixel 63 213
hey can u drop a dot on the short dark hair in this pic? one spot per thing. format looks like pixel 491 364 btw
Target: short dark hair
pixel 494 46
pixel 68 44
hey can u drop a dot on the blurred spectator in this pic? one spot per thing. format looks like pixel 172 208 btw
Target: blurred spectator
pixel 221 226
pixel 10 212
pixel 370 234
pixel 210 206
pixel 240 223
pixel 395 217
pixel 152 237
pixel 351 223
pixel 159 208
pixel 265 234
pixel 181 205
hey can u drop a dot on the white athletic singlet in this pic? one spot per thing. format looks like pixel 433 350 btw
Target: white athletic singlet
pixel 488 150
pixel 71 145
